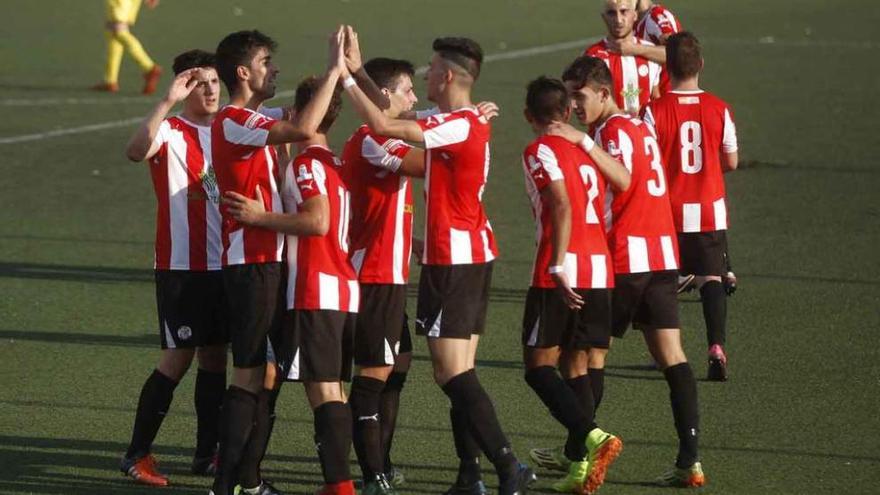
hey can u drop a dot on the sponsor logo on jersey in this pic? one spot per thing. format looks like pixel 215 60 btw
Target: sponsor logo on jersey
pixel 304 178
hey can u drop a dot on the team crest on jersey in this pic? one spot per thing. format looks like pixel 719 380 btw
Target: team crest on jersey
pixel 254 121
pixel 184 332
pixel 643 70
pixel 304 178
pixel 612 148
pixel 209 184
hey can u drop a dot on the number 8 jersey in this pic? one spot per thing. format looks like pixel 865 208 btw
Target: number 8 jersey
pixel 693 128
pixel 641 234
pixel 320 276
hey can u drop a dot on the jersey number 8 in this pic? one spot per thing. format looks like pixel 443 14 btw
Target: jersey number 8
pixel 691 136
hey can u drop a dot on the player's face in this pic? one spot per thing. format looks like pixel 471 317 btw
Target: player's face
pixel 262 74
pixel 205 97
pixel 619 17
pixel 586 103
pixel 403 98
pixel 436 78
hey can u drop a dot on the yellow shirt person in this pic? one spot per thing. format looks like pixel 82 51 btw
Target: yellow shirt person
pixel 120 16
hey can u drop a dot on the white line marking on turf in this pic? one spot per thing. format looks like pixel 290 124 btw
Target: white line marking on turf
pixel 73 130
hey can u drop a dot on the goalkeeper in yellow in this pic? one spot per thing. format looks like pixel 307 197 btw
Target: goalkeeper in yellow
pixel 121 16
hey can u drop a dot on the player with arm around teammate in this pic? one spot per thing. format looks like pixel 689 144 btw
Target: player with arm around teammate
pixel 642 241
pixel 189 288
pixel 568 305
pixel 697 138
pixel 459 249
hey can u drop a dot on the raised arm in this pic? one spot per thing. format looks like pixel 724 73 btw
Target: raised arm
pixel 305 123
pixel 354 64
pixel 614 172
pixel 143 145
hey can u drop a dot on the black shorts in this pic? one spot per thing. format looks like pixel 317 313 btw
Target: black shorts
pixel 255 294
pixel 647 300
pixel 318 345
pixel 405 337
pixel 548 322
pixel 452 300
pixel 703 253
pixel 381 321
pixel 190 307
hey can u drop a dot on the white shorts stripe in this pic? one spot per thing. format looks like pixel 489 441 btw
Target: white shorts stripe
pixel 435 328
pixel 690 217
pixel 638 254
pixel 533 336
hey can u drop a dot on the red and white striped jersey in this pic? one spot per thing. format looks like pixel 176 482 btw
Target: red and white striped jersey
pixel 382 207
pixel 641 234
pixel 587 260
pixel 634 77
pixel 320 277
pixel 457 230
pixel 187 216
pixel 656 24
pixel 693 129
pixel 242 161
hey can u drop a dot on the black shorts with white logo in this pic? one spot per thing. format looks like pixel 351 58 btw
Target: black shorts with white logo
pixel 452 300
pixel 548 322
pixel 702 253
pixel 190 305
pixel 381 322
pixel 255 294
pixel 646 300
pixel 318 345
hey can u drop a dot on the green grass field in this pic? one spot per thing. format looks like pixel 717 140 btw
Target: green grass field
pixel 800 414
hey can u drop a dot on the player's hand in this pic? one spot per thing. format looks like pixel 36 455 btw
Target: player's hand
pixel 488 109
pixel 565 131
pixel 182 85
pixel 623 47
pixel 353 59
pixel 243 209
pixel 572 299
pixel 418 249
pixel 336 55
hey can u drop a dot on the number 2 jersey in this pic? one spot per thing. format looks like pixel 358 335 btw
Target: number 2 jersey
pixel 693 129
pixel 320 277
pixel 587 260
pixel 641 234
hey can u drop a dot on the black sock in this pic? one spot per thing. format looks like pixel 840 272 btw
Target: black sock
pixel 156 395
pixel 714 311
pixel 564 405
pixel 210 387
pixel 388 407
pixel 468 394
pixel 683 397
pixel 583 390
pixel 236 425
pixel 264 421
pixel 364 398
pixel 597 384
pixel 333 440
pixel 466 448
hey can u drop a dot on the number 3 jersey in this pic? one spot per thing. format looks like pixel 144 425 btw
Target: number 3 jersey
pixel 587 261
pixel 693 128
pixel 641 234
pixel 320 277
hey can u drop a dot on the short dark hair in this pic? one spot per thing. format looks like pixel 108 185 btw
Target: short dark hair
pixel 306 91
pixel 385 71
pixel 463 52
pixel 684 58
pixel 238 49
pixel 192 59
pixel 586 70
pixel 547 99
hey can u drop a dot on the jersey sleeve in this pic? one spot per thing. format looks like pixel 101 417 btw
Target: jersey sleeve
pixel 384 152
pixel 161 140
pixel 728 141
pixel 445 131
pixel 308 179
pixel 616 143
pixel 542 165
pixel 246 128
pixel 275 113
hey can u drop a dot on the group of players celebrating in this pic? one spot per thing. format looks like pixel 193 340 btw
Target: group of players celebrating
pixel 298 260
